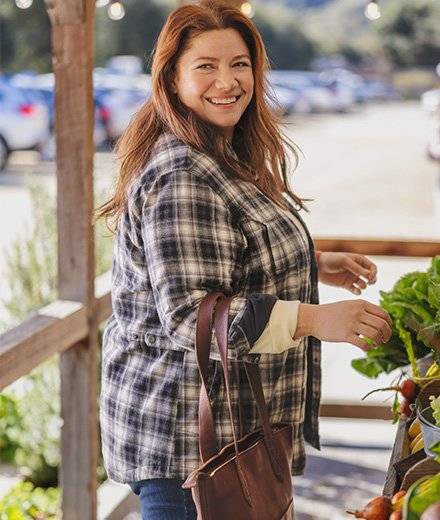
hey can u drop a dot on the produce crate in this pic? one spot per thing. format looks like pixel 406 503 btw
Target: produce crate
pixel 405 468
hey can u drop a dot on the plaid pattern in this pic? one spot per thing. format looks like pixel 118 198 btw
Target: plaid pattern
pixel 192 228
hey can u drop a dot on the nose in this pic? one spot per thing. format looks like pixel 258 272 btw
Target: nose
pixel 225 80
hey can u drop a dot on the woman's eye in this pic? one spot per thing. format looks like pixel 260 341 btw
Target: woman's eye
pixel 242 64
pixel 205 66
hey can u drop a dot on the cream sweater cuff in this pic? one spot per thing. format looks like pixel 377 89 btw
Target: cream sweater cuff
pixel 278 333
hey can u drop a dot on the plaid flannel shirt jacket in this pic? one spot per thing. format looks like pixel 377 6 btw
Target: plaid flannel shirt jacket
pixel 191 228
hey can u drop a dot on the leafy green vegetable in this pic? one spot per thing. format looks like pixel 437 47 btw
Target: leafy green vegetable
pixel 415 296
pixel 435 405
pixel 436 449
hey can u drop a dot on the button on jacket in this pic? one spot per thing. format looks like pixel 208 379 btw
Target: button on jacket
pixel 191 228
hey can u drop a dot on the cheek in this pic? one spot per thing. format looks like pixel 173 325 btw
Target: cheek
pixel 192 87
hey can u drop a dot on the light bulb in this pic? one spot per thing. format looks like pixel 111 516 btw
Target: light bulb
pixel 116 11
pixel 24 4
pixel 372 11
pixel 247 9
pixel 102 3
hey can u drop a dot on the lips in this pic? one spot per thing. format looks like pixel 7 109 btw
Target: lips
pixel 223 101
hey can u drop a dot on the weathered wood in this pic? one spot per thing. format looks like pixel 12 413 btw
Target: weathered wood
pixel 72 43
pixel 53 329
pixel 63 13
pixel 400 450
pixel 116 501
pixel 423 468
pixel 103 302
pixel 354 410
pixel 382 247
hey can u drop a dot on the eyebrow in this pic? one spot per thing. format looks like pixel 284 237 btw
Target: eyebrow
pixel 216 59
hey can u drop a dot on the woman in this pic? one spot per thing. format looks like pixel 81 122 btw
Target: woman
pixel 202 205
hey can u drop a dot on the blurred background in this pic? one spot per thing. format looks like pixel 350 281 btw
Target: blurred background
pixel 357 85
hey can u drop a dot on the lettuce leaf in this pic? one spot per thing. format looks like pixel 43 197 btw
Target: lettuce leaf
pixel 415 296
pixel 435 405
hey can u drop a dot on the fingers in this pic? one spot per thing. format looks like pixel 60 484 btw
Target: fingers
pixel 357 341
pixel 380 325
pixel 375 310
pixel 355 284
pixel 372 333
pixel 361 266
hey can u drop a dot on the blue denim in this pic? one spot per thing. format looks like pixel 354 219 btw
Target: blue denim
pixel 164 499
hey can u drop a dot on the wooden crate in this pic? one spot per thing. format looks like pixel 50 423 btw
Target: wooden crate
pixel 404 468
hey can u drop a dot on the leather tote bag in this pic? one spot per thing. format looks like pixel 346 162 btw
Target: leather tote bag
pixel 248 479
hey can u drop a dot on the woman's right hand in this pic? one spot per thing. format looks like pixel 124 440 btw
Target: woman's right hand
pixel 347 321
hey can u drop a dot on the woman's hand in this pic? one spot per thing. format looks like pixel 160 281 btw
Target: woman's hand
pixel 348 321
pixel 348 270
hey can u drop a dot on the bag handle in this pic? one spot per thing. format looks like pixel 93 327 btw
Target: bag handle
pixel 207 438
pixel 253 375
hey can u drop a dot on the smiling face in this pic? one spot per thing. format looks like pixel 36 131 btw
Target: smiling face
pixel 214 78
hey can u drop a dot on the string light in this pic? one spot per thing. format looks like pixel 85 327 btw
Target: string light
pixel 372 11
pixel 116 11
pixel 102 3
pixel 247 9
pixel 23 4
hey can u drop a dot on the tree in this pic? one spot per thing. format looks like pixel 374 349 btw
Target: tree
pixel 410 32
pixel 24 37
pixel 135 34
pixel 287 44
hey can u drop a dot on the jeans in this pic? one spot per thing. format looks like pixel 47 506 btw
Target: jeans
pixel 164 499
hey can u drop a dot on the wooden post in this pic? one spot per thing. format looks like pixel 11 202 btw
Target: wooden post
pixel 72 43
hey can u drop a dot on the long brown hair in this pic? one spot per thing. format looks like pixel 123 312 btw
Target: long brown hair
pixel 257 141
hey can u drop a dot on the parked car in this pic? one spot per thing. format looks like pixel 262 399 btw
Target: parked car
pixel 120 97
pixel 42 87
pixel 346 79
pixel 24 121
pixel 318 96
pixel 130 65
pixel 431 104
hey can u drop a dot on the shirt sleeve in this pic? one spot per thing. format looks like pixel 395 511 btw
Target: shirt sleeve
pixel 278 334
pixel 193 245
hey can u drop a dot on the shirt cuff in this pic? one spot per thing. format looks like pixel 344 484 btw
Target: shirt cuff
pixel 280 329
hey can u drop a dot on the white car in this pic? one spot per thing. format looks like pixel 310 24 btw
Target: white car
pixel 431 104
pixel 24 121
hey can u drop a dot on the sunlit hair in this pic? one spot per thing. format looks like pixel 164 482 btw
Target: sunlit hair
pixel 257 140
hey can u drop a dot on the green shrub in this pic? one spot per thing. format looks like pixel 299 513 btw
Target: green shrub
pixel 26 502
pixel 30 407
pixel 412 83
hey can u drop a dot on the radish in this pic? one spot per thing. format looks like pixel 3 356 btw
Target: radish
pixel 377 509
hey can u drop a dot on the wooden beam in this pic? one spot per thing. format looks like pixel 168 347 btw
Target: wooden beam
pixel 103 302
pixel 53 329
pixel 381 247
pixel 72 43
pixel 355 410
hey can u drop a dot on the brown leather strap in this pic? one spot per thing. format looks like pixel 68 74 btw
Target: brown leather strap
pixel 237 365
pixel 207 438
pixel 253 374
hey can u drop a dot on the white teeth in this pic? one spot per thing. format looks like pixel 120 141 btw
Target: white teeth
pixel 223 101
